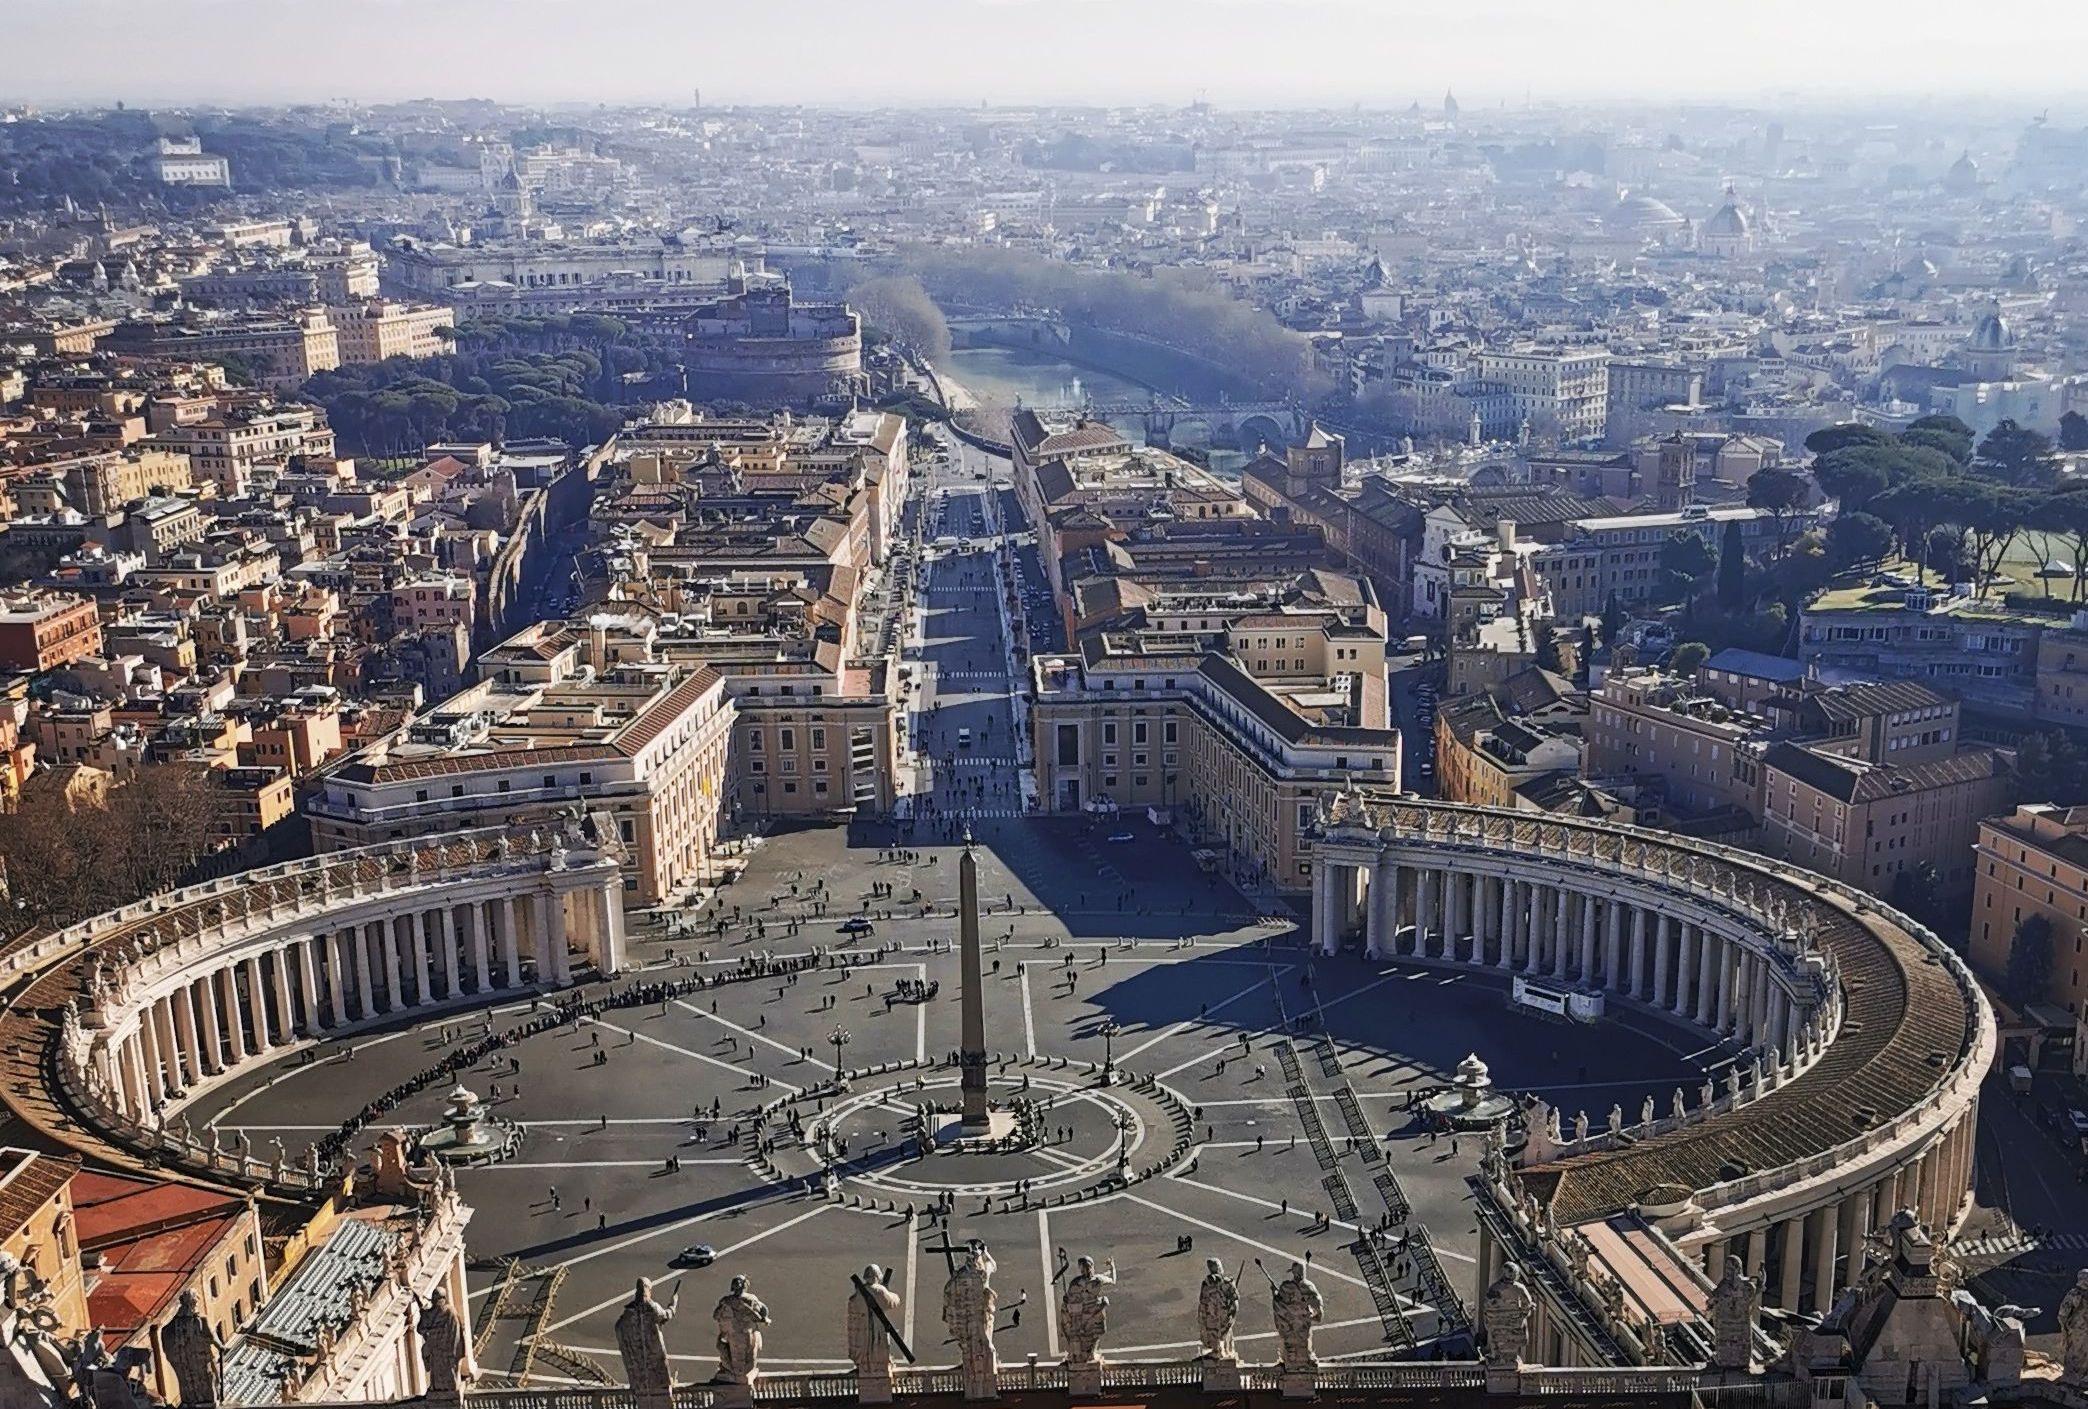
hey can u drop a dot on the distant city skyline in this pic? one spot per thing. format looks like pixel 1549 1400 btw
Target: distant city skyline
pixel 1234 53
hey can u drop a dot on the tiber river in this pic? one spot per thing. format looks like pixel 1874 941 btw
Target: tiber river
pixel 1009 375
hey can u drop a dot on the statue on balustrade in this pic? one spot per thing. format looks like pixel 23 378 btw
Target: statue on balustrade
pixel 443 1354
pixel 194 1353
pixel 1296 1306
pixel 1736 1304
pixel 641 1340
pixel 969 1305
pixel 1217 1311
pixel 739 1315
pixel 1084 1310
pixel 2073 1333
pixel 1505 1317
pixel 869 1334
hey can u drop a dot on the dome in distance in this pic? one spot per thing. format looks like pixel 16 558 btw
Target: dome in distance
pixel 1728 220
pixel 1644 213
pixel 1991 334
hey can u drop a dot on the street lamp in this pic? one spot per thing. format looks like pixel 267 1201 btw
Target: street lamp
pixel 840 1038
pixel 1109 1032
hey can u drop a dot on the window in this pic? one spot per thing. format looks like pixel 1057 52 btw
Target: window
pixel 1069 745
pixel 786 739
pixel 1109 732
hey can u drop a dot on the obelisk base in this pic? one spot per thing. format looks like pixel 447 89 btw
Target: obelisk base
pixel 1221 1376
pixel 1084 1381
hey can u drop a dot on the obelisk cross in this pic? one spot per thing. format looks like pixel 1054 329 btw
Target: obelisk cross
pixel 971 1049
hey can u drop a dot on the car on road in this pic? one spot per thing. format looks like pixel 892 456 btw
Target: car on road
pixel 856 924
pixel 1119 838
pixel 701 1255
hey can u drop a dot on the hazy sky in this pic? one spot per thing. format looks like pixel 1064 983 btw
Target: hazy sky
pixel 1237 53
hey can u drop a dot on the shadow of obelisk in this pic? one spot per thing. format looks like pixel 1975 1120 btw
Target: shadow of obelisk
pixel 971 1050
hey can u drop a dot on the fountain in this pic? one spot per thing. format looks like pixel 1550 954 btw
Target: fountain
pixel 1471 1103
pixel 466 1134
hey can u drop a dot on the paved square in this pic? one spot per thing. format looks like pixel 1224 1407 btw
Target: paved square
pixel 1192 991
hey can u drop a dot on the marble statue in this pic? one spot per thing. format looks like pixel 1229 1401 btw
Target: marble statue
pixel 739 1315
pixel 1505 1317
pixel 1217 1311
pixel 1736 1303
pixel 1616 1119
pixel 1678 1110
pixel 969 1305
pixel 1580 1125
pixel 869 1342
pixel 441 1344
pixel 1646 1111
pixel 1084 1310
pixel 1707 1093
pixel 2073 1333
pixel 1295 1303
pixel 193 1352
pixel 641 1339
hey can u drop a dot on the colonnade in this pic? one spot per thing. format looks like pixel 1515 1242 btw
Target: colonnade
pixel 352 967
pixel 1567 934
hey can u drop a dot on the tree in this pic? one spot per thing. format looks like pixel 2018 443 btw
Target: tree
pixel 1688 658
pixel 1854 540
pixel 901 309
pixel 1782 494
pixel 1687 560
pixel 1548 649
pixel 1992 514
pixel 1732 567
pixel 1613 619
pixel 1944 433
pixel 1587 648
pixel 1855 476
pixel 1828 439
pixel 2029 971
pixel 2073 431
pixel 1918 891
pixel 1912 507
pixel 2017 454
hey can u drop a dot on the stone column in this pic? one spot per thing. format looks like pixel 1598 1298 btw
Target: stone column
pixel 1324 935
pixel 227 980
pixel 1613 948
pixel 285 1009
pixel 1661 940
pixel 1559 932
pixel 150 1059
pixel 193 1055
pixel 417 929
pixel 257 1003
pixel 1725 986
pixel 130 1071
pixel 388 935
pixel 1377 927
pixel 1793 1263
pixel 452 965
pixel 365 991
pixel 1587 944
pixel 561 958
pixel 1685 970
pixel 1855 1224
pixel 208 1011
pixel 609 930
pixel 169 1042
pixel 1757 1245
pixel 510 941
pixel 1638 950
pixel 308 984
pixel 1707 976
pixel 1828 1229
pixel 479 918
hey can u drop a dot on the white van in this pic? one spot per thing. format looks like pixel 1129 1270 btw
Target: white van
pixel 964 738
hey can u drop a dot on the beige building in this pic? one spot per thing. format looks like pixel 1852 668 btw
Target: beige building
pixel 1557 391
pixel 557 723
pixel 380 328
pixel 1867 823
pixel 2034 861
pixel 225 449
pixel 1244 764
pixel 281 351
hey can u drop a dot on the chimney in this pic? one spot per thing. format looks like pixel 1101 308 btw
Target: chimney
pixel 1504 529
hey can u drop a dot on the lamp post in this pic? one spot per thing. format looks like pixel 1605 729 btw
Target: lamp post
pixel 1109 1032
pixel 840 1038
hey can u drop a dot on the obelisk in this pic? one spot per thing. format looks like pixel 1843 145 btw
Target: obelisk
pixel 971 1047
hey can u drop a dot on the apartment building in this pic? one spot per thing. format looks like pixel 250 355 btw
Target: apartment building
pixel 1984 651
pixel 281 351
pixel 1867 823
pixel 1558 391
pixel 1488 757
pixel 555 725
pixel 1193 733
pixel 42 631
pixel 2034 861
pixel 379 328
pixel 1645 722
pixel 1630 544
pixel 226 448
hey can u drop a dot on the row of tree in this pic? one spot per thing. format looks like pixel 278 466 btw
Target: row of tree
pixel 65 862
pixel 1184 308
pixel 569 377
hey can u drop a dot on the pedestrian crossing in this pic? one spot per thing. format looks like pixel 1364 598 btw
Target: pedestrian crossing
pixel 984 760
pixel 997 675
pixel 2004 1244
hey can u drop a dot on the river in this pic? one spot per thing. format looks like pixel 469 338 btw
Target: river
pixel 1010 375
